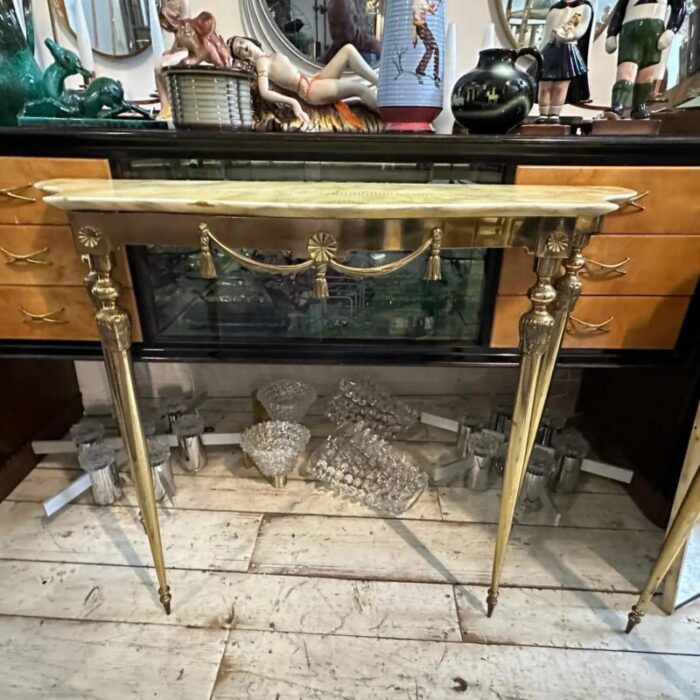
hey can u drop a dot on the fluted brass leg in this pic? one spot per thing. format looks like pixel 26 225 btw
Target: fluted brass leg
pixel 568 292
pixel 677 536
pixel 115 333
pixel 110 371
pixel 536 333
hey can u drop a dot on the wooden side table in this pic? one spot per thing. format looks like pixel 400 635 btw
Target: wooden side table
pixel 318 223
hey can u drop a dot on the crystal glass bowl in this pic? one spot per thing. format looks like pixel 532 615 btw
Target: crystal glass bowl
pixel 356 463
pixel 287 399
pixel 275 446
pixel 360 399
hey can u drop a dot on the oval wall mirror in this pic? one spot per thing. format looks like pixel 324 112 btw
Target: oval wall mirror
pixel 312 31
pixel 118 28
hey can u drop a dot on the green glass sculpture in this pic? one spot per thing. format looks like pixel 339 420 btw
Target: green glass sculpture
pixel 20 75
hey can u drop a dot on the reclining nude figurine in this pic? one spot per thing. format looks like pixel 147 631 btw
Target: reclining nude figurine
pixel 329 86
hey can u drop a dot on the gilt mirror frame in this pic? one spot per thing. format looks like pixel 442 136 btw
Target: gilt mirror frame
pixel 58 12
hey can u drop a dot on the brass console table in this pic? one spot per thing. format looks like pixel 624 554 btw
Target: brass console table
pixel 319 223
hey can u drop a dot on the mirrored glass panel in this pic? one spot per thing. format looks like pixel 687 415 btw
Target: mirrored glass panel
pixel 117 27
pixel 319 28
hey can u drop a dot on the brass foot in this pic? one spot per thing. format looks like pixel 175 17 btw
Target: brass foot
pixel 633 619
pixel 165 598
pixel 279 482
pixel 491 602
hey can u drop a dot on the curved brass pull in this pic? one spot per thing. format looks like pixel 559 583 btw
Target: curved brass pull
pixel 592 326
pixel 30 258
pixel 11 193
pixel 634 202
pixel 44 318
pixel 611 267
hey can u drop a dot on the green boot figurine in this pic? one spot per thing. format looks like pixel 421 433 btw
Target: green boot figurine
pixel 645 29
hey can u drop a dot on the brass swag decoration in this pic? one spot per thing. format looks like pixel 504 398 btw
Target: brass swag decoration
pixel 323 249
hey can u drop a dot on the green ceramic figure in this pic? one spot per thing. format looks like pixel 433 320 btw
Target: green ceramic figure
pixel 20 75
pixel 102 99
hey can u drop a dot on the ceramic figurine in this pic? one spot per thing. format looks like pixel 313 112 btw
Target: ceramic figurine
pixel 103 98
pixel 197 35
pixel 496 96
pixel 196 41
pixel 411 72
pixel 278 81
pixel 645 28
pixel 567 38
pixel 20 75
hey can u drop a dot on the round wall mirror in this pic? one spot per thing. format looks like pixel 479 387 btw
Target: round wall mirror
pixel 523 23
pixel 312 31
pixel 118 28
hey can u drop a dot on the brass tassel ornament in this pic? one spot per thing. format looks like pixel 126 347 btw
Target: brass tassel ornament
pixel 321 283
pixel 207 269
pixel 433 271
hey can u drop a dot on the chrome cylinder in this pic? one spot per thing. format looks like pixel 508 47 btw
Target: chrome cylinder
pixel 161 469
pixel 534 486
pixel 193 455
pixel 100 463
pixel 468 425
pixel 568 474
pixel 189 430
pixel 478 476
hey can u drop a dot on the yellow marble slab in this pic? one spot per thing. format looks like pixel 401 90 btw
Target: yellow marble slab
pixel 335 200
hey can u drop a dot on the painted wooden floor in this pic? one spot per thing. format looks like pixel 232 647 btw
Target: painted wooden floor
pixel 296 594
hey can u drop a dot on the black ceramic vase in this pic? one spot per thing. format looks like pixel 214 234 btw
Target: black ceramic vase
pixel 496 95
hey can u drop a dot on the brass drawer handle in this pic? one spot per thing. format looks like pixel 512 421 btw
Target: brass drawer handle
pixel 11 193
pixel 634 202
pixel 610 267
pixel 30 258
pixel 50 317
pixel 584 325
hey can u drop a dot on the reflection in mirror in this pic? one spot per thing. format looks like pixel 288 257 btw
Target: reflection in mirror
pixel 117 27
pixel 524 22
pixel 320 28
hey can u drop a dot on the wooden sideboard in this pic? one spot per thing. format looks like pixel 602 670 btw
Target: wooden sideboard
pixel 42 295
pixel 641 272
pixel 649 306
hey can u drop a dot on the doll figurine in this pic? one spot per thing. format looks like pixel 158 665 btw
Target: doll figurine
pixel 567 37
pixel 196 41
pixel 645 29
pixel 328 86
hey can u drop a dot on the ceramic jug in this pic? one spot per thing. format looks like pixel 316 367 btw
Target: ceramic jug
pixel 412 66
pixel 497 95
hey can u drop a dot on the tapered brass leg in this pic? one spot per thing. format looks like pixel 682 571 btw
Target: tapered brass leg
pixel 536 333
pixel 568 292
pixel 677 536
pixel 115 333
pixel 117 401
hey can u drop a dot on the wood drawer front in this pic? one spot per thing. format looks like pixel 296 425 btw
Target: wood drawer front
pixel 658 266
pixel 17 175
pixel 57 261
pixel 672 205
pixel 77 318
pixel 640 323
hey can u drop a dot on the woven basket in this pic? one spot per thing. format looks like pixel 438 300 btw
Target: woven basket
pixel 206 96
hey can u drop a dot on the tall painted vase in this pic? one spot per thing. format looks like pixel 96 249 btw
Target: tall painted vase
pixel 412 67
